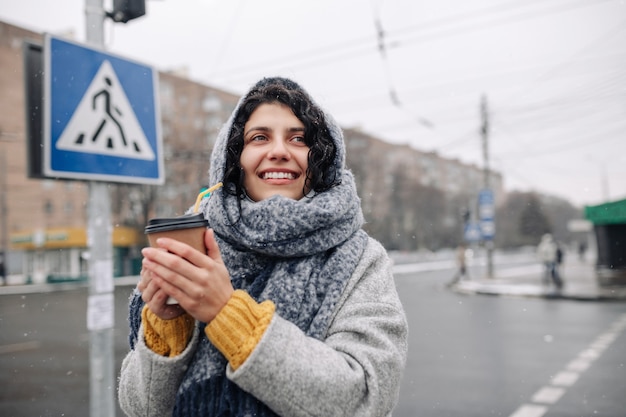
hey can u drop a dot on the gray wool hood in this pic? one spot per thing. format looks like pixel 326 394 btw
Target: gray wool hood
pixel 218 156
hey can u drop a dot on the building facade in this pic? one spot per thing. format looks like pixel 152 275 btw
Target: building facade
pixel 43 221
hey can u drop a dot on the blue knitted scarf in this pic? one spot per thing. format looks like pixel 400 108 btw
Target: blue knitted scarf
pixel 297 253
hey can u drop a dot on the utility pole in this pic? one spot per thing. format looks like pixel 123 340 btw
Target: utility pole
pixel 484 129
pixel 101 300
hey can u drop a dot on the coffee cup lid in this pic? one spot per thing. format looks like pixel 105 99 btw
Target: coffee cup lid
pixel 165 224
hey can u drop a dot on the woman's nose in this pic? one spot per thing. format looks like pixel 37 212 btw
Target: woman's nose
pixel 279 150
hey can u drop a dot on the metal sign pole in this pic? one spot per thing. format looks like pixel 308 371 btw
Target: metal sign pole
pixel 485 139
pixel 101 301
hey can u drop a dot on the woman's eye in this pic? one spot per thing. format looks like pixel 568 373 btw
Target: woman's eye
pixel 299 139
pixel 257 138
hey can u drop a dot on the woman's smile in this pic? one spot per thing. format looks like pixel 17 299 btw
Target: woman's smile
pixel 278 175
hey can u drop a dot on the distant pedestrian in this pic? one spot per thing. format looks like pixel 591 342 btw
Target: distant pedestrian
pixel 461 262
pixel 560 256
pixel 582 248
pixel 547 252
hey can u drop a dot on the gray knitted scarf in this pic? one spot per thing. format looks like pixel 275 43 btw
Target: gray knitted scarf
pixel 297 253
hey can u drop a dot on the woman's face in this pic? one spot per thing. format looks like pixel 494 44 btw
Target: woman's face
pixel 274 157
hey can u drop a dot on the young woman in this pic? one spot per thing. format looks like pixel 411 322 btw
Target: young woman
pixel 292 311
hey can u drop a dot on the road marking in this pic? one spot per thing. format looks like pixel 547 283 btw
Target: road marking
pixel 565 379
pixel 601 344
pixel 550 394
pixel 578 365
pixel 530 410
pixel 590 354
pixel 20 347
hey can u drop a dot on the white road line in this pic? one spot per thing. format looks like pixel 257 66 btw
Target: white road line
pixel 601 344
pixel 565 379
pixel 578 365
pixel 530 410
pixel 590 354
pixel 548 395
pixel 552 393
pixel 607 338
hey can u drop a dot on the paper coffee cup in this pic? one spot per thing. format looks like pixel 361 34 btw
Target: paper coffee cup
pixel 188 229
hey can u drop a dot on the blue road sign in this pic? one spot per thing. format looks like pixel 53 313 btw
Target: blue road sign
pixel 101 116
pixel 488 229
pixel 472 232
pixel 486 206
pixel 486 213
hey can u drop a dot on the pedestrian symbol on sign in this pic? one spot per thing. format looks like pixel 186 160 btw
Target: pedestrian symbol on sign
pixel 104 121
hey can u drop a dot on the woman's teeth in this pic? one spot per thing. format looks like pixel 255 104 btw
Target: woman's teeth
pixel 278 175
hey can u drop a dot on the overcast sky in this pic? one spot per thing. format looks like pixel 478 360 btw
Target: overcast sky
pixel 553 72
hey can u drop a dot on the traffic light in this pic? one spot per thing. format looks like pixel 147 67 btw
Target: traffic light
pixel 125 10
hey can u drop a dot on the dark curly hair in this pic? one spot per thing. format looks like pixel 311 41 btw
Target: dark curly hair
pixel 321 174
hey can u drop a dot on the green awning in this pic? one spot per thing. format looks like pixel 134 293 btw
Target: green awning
pixel 608 213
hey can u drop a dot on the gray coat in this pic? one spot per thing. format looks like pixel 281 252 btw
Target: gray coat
pixel 355 371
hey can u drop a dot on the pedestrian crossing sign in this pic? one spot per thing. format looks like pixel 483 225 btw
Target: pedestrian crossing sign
pixel 101 116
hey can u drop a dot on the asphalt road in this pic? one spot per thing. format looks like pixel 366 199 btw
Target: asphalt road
pixel 491 355
pixel 468 355
pixel 44 352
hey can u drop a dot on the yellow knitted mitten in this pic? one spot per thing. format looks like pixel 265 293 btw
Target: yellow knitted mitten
pixel 166 337
pixel 238 327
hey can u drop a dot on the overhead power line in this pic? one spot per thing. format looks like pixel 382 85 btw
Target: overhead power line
pixel 567 63
pixel 472 26
pixel 603 134
pixel 340 51
pixel 393 94
pixel 232 24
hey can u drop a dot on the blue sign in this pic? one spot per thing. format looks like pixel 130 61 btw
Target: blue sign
pixel 488 229
pixel 486 213
pixel 101 116
pixel 472 232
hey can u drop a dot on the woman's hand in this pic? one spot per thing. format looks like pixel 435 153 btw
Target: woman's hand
pixel 199 282
pixel 155 298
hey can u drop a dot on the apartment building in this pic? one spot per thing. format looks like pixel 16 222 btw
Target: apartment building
pixel 402 188
pixel 43 222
